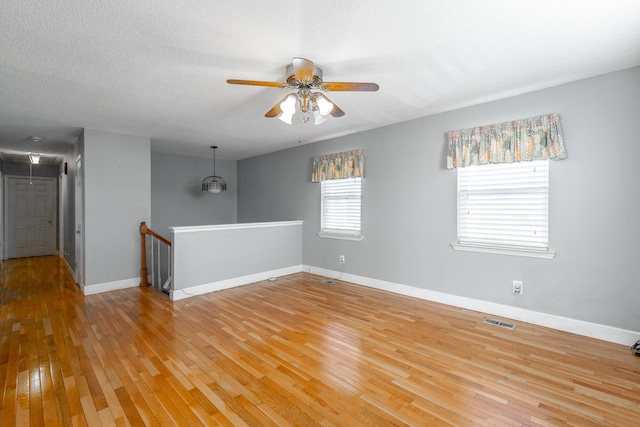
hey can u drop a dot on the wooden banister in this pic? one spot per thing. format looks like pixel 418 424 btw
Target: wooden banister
pixel 144 230
pixel 144 280
pixel 159 237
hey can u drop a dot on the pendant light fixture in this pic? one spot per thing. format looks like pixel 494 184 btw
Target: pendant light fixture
pixel 34 158
pixel 214 184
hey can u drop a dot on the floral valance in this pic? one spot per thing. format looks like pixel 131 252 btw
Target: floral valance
pixel 348 164
pixel 536 138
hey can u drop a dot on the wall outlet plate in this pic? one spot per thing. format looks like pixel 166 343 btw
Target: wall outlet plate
pixel 517 287
pixel 342 261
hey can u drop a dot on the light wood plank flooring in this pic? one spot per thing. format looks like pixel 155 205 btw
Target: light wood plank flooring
pixel 294 352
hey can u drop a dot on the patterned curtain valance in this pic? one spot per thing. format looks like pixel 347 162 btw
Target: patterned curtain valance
pixel 348 164
pixel 536 138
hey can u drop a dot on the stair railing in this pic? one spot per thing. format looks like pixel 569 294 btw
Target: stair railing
pixel 156 244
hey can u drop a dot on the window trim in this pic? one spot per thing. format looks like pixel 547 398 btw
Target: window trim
pixel 530 253
pixel 340 236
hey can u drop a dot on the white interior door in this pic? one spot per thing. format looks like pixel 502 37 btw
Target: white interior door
pixel 30 217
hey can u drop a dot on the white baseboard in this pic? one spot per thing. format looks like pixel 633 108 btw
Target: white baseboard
pixel 193 291
pixel 111 286
pixel 579 327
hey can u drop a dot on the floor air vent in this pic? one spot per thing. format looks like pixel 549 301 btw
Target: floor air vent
pixel 327 282
pixel 500 324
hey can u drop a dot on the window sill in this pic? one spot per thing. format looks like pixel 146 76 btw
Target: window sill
pixel 500 251
pixel 340 237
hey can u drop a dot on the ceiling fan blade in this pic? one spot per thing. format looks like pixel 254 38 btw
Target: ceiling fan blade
pixel 256 83
pixel 336 112
pixel 303 69
pixel 347 86
pixel 275 111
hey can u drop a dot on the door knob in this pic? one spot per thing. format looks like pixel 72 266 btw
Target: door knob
pixel 50 221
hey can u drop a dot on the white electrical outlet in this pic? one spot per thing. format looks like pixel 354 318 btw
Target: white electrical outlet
pixel 342 261
pixel 518 288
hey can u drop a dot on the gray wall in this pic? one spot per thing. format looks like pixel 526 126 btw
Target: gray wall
pixel 177 199
pixel 409 205
pixel 117 189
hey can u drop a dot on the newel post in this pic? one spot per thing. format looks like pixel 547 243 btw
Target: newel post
pixel 143 250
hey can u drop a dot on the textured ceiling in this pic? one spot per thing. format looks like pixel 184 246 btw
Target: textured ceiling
pixel 158 68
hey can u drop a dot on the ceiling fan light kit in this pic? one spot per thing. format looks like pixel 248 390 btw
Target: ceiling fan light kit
pixel 288 108
pixel 307 104
pixel 309 101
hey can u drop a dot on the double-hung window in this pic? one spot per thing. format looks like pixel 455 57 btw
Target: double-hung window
pixel 503 184
pixel 341 208
pixel 504 208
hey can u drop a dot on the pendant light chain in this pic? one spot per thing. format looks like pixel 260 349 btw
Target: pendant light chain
pixel 214 160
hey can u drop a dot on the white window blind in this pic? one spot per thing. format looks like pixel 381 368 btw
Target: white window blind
pixel 504 205
pixel 341 206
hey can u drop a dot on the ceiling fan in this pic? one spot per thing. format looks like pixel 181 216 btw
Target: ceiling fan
pixel 309 100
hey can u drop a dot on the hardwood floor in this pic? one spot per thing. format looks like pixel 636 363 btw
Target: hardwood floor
pixel 291 352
